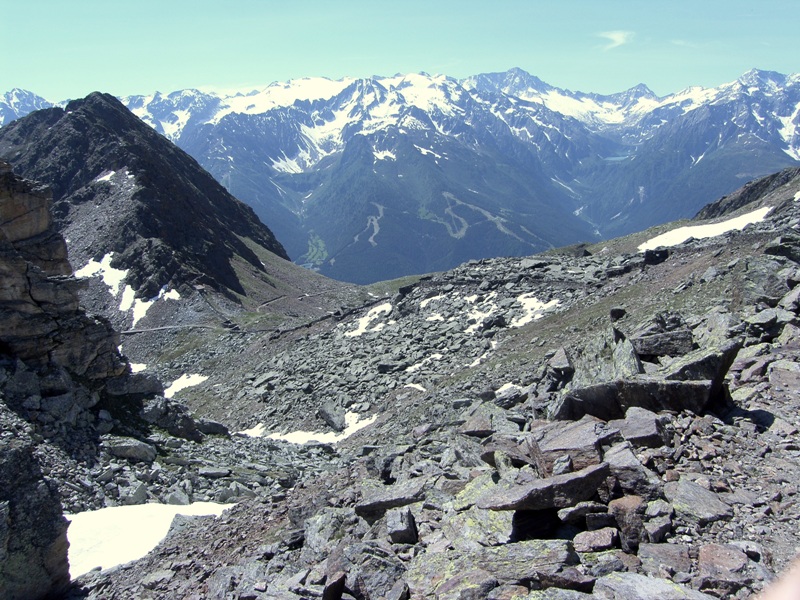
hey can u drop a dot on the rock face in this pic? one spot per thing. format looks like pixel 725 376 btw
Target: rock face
pixel 39 318
pixel 33 532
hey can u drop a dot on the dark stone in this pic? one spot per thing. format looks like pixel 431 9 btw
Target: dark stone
pixel 378 501
pixel 695 503
pixel 611 400
pixel 400 526
pixel 656 256
pixel 560 491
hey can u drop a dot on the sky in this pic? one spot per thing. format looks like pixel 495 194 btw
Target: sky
pixel 62 50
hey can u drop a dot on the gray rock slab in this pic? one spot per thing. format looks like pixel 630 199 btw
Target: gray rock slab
pixel 695 503
pixel 559 491
pixel 540 560
pixel 130 448
pixel 633 476
pixel 641 427
pixel 379 500
pixel 581 441
pixel 632 586
pixel 610 400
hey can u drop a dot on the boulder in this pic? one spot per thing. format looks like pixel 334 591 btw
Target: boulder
pixel 129 448
pixel 380 499
pixel 695 503
pixel 632 586
pixel 581 441
pixel 611 400
pixel 537 560
pixel 401 526
pixel 559 491
pixel 722 569
pixel 631 475
pixel 629 512
pixel 641 427
pixel 597 540
pixel 658 559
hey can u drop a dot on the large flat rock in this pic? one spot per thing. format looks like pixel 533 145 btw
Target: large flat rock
pixel 560 491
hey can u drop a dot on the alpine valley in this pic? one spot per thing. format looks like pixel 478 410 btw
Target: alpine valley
pixel 370 179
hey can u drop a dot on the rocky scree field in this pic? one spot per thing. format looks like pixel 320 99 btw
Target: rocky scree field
pixel 590 422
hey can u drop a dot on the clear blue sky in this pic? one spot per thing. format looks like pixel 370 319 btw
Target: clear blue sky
pixel 65 49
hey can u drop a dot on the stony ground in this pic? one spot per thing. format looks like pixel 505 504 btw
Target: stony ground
pixel 610 425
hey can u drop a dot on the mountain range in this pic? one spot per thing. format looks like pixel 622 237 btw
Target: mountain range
pixel 374 178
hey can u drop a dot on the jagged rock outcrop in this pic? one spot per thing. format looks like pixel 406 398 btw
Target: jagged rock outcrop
pixel 40 322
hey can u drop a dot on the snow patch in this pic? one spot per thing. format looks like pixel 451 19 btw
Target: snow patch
pixel 365 321
pixel 681 234
pixel 384 155
pixel 111 277
pixel 138 367
pixel 427 301
pixel 533 309
pixel 415 386
pixel 140 307
pixel 480 312
pixel 423 362
pixel 257 431
pixel 352 421
pixel 183 382
pixel 113 536
pixel 106 177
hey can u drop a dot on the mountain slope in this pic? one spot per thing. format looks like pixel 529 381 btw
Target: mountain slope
pixel 609 423
pixel 119 187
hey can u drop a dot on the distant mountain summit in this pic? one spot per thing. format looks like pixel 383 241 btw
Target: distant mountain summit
pixel 121 188
pixel 366 179
pixel 18 103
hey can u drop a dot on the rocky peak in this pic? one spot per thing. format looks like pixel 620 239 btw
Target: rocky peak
pixel 166 220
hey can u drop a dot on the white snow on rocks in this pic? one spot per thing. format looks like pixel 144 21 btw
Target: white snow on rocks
pixel 352 421
pixel 364 322
pixel 256 431
pixel 113 278
pixel 140 307
pixel 534 309
pixel 414 386
pixel 422 363
pixel 138 367
pixel 183 382
pixel 113 536
pixel 481 311
pixel 681 234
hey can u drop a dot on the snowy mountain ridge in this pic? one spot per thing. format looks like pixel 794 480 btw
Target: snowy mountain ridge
pixel 351 173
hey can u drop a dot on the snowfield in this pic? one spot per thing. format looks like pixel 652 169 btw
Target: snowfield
pixel 183 382
pixel 113 278
pixel 113 536
pixel 681 234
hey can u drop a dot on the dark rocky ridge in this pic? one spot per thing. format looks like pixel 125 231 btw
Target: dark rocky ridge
pixel 165 218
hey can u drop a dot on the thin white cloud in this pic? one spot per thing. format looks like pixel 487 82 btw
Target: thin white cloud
pixel 616 38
